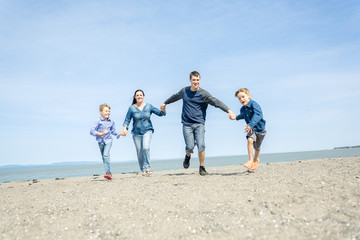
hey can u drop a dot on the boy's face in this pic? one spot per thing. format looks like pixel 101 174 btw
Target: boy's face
pixel 105 113
pixel 195 82
pixel 244 98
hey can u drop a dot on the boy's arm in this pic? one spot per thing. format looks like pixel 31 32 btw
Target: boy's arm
pixel 113 130
pixel 94 128
pixel 257 115
pixel 240 116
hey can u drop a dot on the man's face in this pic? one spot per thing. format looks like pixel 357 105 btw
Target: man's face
pixel 195 82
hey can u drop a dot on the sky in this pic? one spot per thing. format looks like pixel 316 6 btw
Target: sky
pixel 59 60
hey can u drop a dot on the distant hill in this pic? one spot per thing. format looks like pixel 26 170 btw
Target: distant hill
pixel 47 165
pixel 346 147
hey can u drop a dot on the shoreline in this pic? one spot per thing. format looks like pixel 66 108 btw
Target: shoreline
pixel 308 199
pixel 68 171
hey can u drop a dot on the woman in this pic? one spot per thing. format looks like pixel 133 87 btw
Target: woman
pixel 142 129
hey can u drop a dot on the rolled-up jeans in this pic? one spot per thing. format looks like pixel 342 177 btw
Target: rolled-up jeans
pixel 105 154
pixel 142 145
pixel 194 134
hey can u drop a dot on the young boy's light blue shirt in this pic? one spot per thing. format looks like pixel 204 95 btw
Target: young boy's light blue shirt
pixel 253 116
pixel 99 126
pixel 141 119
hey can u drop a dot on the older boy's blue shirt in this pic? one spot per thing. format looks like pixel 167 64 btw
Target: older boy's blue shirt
pixel 253 116
pixel 141 119
pixel 99 126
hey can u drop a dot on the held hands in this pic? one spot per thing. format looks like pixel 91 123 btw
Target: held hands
pixel 163 107
pixel 232 116
pixel 123 132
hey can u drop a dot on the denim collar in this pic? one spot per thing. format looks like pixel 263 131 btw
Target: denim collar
pixel 103 119
pixel 249 103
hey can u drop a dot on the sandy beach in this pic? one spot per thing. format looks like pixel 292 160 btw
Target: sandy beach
pixel 313 199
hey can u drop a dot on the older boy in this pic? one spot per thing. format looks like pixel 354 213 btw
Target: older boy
pixel 102 129
pixel 195 103
pixel 255 128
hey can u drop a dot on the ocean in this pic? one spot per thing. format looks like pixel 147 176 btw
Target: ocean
pixel 25 173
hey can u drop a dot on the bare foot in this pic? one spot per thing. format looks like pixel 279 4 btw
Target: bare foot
pixel 148 171
pixel 254 164
pixel 248 164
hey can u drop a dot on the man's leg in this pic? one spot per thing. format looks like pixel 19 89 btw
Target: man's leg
pixel 200 142
pixel 188 133
pixel 201 157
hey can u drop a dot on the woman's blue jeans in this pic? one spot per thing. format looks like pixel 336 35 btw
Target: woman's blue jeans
pixel 105 154
pixel 142 145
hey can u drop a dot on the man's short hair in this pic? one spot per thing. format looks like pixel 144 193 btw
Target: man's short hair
pixel 195 74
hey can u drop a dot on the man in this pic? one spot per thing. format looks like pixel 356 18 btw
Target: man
pixel 195 103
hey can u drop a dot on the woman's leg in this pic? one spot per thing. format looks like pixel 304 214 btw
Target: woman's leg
pixel 138 144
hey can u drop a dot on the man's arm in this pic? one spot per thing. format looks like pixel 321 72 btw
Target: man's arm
pixel 173 98
pixel 213 101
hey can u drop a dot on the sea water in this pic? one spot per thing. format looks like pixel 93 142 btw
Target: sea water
pixel 65 171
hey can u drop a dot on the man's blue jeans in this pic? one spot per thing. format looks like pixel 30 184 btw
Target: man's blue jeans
pixel 142 145
pixel 194 134
pixel 105 154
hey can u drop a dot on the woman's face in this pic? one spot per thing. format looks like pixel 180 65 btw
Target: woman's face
pixel 139 97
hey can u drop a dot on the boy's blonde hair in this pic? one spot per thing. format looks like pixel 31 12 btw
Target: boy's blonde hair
pixel 104 105
pixel 244 90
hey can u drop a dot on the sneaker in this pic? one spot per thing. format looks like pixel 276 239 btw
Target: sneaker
pixel 202 171
pixel 186 162
pixel 108 176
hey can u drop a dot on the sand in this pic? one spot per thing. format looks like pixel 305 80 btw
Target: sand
pixel 313 199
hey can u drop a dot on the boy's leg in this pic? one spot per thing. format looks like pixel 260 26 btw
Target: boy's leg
pixel 257 144
pixel 101 147
pixel 138 145
pixel 250 146
pixel 106 157
pixel 146 149
pixel 256 161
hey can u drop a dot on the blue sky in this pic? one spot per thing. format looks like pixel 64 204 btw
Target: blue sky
pixel 61 59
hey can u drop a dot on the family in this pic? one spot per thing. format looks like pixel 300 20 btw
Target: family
pixel 195 103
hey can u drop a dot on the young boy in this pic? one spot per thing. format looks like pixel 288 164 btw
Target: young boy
pixel 102 130
pixel 255 128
